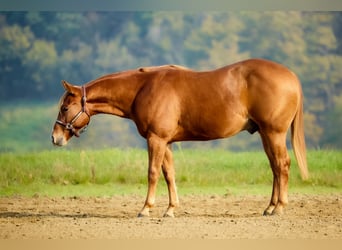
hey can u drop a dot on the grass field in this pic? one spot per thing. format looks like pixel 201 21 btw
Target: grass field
pixel 120 172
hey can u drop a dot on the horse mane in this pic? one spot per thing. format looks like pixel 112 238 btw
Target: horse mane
pixel 140 70
pixel 168 66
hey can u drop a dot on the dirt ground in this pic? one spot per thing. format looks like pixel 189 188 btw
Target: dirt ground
pixel 199 217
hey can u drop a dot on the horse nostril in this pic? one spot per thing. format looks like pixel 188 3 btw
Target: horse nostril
pixel 53 139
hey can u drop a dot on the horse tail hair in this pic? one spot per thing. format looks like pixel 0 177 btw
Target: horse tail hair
pixel 298 140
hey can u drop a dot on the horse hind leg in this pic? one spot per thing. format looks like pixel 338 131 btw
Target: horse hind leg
pixel 275 148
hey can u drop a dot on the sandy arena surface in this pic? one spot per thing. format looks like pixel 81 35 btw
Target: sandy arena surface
pixel 198 217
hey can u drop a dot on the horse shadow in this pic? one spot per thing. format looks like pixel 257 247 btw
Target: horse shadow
pixel 20 215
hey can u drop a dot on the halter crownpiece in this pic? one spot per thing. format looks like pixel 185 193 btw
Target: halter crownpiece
pixel 69 125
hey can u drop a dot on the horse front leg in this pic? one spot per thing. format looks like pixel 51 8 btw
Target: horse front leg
pixel 156 153
pixel 169 175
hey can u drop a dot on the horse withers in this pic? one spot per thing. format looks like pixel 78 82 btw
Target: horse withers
pixel 171 103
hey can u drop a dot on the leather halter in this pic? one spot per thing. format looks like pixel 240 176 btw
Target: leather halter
pixel 69 125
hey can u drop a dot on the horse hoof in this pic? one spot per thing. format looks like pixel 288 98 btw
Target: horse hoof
pixel 142 215
pixel 268 211
pixel 278 211
pixel 169 215
pixel 273 211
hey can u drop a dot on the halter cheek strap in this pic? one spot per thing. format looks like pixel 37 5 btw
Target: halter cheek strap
pixel 69 125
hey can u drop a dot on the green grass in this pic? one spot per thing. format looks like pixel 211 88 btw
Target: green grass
pixel 120 172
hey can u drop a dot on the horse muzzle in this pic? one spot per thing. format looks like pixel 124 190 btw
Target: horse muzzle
pixel 58 141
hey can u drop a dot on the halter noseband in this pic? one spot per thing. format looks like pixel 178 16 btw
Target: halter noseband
pixel 69 125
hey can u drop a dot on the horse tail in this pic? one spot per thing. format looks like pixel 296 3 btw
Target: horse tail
pixel 298 140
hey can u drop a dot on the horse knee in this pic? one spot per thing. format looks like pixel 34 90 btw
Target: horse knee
pixel 153 175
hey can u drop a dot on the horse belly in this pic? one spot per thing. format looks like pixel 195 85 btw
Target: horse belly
pixel 210 127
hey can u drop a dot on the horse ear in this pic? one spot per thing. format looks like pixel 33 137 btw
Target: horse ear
pixel 67 86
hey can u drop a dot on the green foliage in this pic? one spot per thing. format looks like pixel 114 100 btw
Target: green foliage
pixel 26 127
pixel 126 170
pixel 334 124
pixel 38 49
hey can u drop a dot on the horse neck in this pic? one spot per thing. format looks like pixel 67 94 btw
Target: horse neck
pixel 112 95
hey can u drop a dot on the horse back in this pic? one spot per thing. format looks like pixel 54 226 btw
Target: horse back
pixel 190 105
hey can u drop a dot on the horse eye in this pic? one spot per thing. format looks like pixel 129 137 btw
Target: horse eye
pixel 64 109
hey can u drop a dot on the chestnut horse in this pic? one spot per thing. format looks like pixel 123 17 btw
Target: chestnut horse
pixel 171 103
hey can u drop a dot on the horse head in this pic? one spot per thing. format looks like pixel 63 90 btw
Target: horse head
pixel 73 116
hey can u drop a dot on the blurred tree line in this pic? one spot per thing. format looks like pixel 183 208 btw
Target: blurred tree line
pixel 38 49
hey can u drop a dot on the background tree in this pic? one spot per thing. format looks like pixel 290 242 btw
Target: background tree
pixel 38 49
